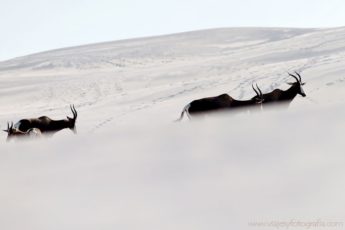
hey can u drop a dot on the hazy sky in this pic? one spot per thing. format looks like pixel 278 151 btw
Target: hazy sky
pixel 29 26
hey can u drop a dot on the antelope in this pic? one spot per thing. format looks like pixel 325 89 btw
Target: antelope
pixel 279 96
pixel 15 133
pixel 222 102
pixel 47 125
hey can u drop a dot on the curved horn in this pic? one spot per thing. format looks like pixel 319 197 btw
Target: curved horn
pixel 74 111
pixel 300 78
pixel 294 77
pixel 261 95
pixel 8 128
pixel 257 93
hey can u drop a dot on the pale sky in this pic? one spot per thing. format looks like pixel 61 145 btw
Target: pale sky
pixel 29 26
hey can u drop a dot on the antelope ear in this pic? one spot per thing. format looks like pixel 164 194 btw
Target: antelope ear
pixel 69 118
pixel 303 83
pixel 289 83
pixel 5 131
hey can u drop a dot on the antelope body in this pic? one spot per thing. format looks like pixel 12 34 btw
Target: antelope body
pixel 220 103
pixel 46 124
pixel 15 133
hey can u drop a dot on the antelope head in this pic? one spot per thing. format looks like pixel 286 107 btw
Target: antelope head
pixel 259 98
pixel 71 121
pixel 9 129
pixel 14 132
pixel 298 84
pixel 11 132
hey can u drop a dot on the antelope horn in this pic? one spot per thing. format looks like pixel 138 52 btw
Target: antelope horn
pixel 8 127
pixel 261 95
pixel 300 78
pixel 257 94
pixel 74 112
pixel 294 77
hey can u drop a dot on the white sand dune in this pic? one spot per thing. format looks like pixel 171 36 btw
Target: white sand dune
pixel 131 167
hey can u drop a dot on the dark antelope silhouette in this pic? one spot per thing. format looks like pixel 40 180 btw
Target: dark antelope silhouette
pixel 47 125
pixel 279 96
pixel 220 103
pixel 15 133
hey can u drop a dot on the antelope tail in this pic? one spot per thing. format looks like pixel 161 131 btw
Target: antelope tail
pixel 185 110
